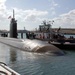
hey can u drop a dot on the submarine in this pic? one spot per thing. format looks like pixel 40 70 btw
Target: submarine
pixel 29 45
pixel 36 46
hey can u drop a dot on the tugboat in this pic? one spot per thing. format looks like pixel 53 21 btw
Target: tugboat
pixel 54 37
pixel 62 42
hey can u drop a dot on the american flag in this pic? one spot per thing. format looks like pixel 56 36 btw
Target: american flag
pixel 9 17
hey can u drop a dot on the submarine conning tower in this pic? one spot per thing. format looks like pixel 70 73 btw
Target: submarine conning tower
pixel 13 27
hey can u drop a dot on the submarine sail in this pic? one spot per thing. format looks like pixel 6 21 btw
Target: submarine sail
pixel 13 27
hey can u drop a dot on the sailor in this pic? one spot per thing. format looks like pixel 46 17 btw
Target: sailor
pixel 27 35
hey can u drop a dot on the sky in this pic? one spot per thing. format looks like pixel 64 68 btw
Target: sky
pixel 31 13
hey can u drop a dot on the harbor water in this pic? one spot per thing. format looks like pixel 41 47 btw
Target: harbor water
pixel 29 63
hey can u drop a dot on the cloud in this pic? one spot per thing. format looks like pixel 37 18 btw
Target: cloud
pixel 2 2
pixel 32 18
pixel 28 15
pixel 34 15
pixel 2 5
pixel 53 6
pixel 66 20
pixel 2 9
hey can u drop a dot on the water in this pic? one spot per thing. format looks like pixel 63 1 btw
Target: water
pixel 27 63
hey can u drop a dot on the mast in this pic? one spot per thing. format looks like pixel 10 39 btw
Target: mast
pixel 13 14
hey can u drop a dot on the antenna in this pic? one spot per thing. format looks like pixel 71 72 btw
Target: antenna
pixel 13 14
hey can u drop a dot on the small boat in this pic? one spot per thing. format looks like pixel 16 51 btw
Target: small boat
pixel 64 46
pixel 5 70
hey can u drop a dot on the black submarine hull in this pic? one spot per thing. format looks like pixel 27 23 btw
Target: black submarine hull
pixel 32 45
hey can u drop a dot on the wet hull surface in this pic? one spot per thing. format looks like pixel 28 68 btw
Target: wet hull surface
pixel 32 45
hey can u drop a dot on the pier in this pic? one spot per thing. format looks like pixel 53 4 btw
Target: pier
pixel 63 30
pixel 21 32
pixel 66 30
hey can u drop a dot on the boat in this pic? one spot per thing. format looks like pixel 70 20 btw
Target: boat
pixel 56 38
pixel 63 43
pixel 5 70
pixel 64 46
